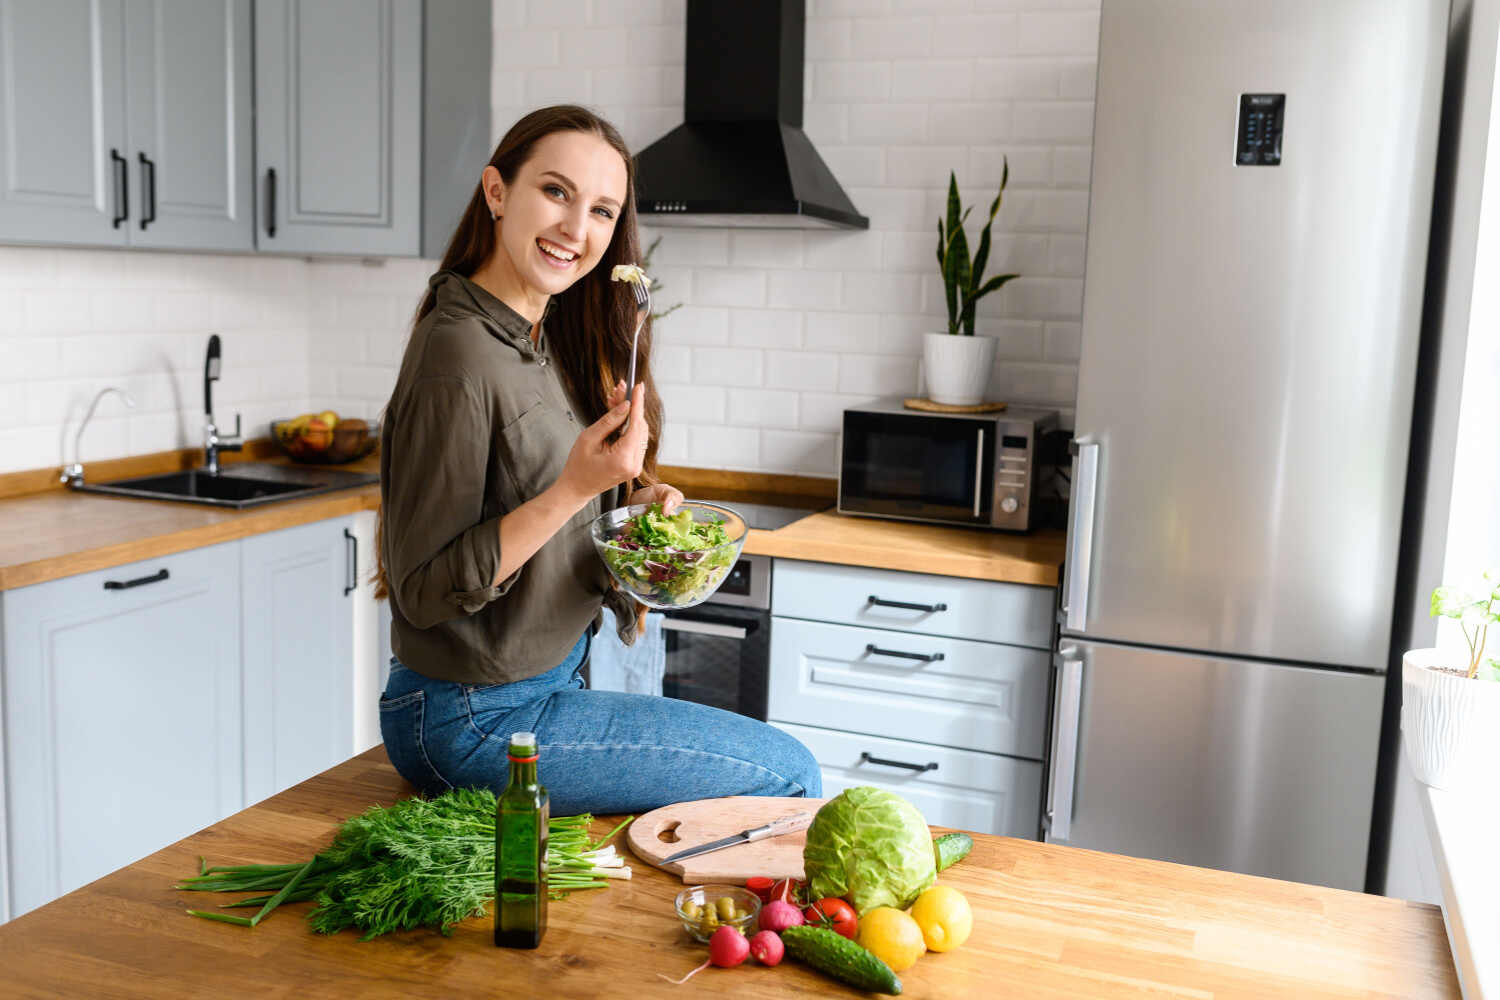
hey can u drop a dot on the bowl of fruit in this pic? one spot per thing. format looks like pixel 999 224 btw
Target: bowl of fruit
pixel 325 438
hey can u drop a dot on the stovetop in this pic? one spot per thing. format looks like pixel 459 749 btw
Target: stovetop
pixel 763 516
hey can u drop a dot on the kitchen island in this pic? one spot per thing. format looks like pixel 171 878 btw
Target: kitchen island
pixel 1050 921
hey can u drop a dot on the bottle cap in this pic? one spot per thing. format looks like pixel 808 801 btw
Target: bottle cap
pixel 523 741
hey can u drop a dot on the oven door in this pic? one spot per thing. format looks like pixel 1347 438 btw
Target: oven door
pixel 720 656
pixel 919 467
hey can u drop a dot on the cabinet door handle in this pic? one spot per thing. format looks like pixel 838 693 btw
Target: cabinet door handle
pixel 122 186
pixel 1080 551
pixel 353 549
pixel 703 628
pixel 880 602
pixel 148 190
pixel 271 202
pixel 931 765
pixel 924 657
pixel 139 581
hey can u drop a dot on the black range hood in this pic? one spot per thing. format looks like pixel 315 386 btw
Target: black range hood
pixel 740 157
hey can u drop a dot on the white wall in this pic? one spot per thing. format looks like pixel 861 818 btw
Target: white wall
pixel 779 331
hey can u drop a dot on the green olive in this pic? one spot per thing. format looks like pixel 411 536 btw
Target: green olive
pixel 691 910
pixel 710 920
pixel 725 906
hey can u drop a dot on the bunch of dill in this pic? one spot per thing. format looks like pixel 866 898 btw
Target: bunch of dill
pixel 418 863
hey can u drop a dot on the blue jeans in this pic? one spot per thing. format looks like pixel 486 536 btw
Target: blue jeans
pixel 600 751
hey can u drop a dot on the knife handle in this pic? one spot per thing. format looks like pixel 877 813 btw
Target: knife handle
pixel 784 825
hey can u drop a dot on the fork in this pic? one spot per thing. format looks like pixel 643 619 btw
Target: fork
pixel 643 308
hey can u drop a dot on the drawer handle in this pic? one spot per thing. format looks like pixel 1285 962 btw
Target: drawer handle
pixel 117 585
pixel 929 608
pixel 924 657
pixel 865 758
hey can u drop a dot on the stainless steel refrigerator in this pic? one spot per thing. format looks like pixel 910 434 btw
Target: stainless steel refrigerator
pixel 1257 237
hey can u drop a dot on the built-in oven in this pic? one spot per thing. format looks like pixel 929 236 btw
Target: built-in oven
pixel 719 653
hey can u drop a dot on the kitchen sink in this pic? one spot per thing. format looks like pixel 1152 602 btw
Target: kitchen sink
pixel 244 484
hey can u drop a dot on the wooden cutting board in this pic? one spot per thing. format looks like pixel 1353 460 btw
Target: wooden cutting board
pixel 665 831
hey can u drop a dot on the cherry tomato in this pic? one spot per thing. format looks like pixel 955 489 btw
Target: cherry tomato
pixel 761 886
pixel 833 913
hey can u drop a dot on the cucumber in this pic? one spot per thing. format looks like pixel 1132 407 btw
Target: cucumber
pixel 951 848
pixel 832 953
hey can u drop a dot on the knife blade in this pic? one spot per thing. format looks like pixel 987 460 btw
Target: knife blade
pixel 775 828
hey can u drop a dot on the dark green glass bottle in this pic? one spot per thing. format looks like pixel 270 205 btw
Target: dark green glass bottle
pixel 521 815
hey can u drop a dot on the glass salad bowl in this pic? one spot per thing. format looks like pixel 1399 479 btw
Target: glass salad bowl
pixel 669 562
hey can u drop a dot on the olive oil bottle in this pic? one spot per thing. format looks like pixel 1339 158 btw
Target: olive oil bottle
pixel 521 851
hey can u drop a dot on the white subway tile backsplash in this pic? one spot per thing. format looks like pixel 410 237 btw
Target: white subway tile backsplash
pixel 664 44
pixel 878 292
pixel 804 289
pixel 880 376
pixel 1063 340
pixel 555 13
pixel 923 166
pixel 845 250
pixel 1019 77
pixel 720 447
pixel 1030 166
pixel 672 362
pixel 1077 78
pixel 1067 256
pixel 631 84
pixel 729 287
pixel 932 80
pixel 563 85
pixel 1071 166
pixel 695 325
pixel 763 408
pixel 1054 121
pixel 522 48
pixel 727 366
pixel 851 81
pixel 828 38
pixel 756 248
pixel 1069 33
pixel 773 328
pixel 968 122
pixel 696 403
pixel 876 37
pixel 887 123
pixel 824 411
pixel 802 370
pixel 1048 211
pixel 688 247
pixel 800 452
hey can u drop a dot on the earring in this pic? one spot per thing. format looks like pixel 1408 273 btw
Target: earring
pixel 493 216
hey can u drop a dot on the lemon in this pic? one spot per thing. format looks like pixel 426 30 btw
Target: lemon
pixel 892 937
pixel 944 917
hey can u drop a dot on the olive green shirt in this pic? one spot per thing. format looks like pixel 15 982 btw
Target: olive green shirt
pixel 479 422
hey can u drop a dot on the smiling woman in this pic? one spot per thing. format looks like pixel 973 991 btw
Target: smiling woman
pixel 502 438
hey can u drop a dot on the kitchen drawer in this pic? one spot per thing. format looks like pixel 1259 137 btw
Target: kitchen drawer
pixel 974 695
pixel 970 609
pixel 982 792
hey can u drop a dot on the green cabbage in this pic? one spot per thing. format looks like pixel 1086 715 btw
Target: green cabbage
pixel 871 847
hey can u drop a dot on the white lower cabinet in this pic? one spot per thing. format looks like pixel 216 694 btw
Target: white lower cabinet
pixel 299 589
pixel 122 716
pixel 989 793
pixel 930 686
pixel 145 702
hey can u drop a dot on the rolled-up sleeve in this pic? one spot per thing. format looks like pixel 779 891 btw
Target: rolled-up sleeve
pixel 442 553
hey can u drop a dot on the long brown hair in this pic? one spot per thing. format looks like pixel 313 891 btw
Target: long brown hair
pixel 590 324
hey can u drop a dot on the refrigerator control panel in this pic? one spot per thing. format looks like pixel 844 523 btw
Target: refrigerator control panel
pixel 1258 139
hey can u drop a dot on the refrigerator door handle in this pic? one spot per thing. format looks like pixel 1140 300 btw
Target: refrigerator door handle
pixel 1080 535
pixel 1060 781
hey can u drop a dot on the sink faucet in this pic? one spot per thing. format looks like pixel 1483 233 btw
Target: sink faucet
pixel 73 474
pixel 212 442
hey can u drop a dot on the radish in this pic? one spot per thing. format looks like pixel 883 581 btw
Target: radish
pixel 726 948
pixel 767 948
pixel 777 916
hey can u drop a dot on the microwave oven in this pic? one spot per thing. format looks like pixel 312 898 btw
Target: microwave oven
pixel 978 469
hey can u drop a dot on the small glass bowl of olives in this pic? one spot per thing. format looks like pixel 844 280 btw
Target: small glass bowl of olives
pixel 706 908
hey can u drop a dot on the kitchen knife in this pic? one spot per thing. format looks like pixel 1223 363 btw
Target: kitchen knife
pixel 776 828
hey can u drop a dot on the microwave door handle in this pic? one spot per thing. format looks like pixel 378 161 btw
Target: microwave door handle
pixel 978 472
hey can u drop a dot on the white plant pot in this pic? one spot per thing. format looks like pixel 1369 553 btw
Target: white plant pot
pixel 1451 724
pixel 957 368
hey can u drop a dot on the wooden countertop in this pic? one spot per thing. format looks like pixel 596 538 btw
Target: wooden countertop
pixel 1050 921
pixel 49 532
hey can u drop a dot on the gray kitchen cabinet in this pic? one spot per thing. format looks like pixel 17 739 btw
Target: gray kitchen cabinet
pixel 187 77
pixel 299 593
pixel 932 687
pixel 122 716
pixel 126 123
pixel 62 123
pixel 338 132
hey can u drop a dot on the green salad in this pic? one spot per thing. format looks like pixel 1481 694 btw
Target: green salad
pixel 669 561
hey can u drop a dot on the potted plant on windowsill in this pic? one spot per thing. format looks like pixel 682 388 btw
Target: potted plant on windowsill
pixel 957 363
pixel 1450 711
